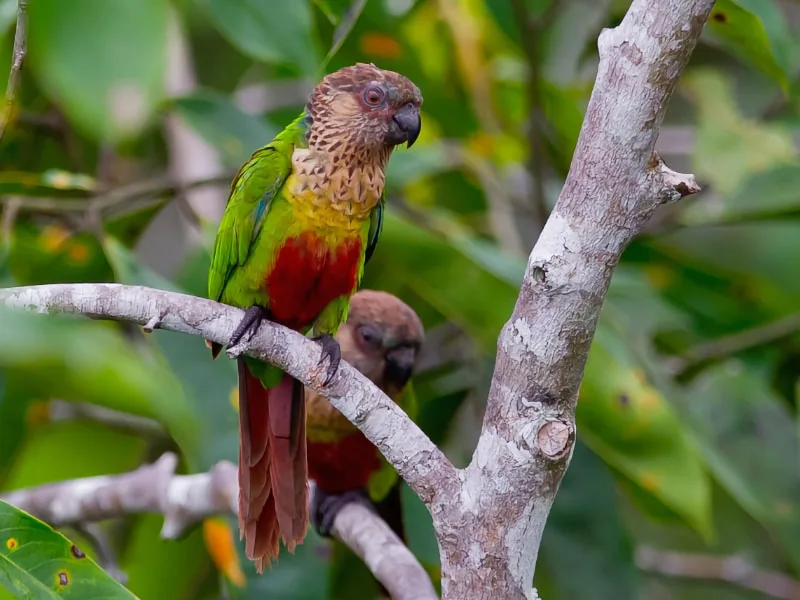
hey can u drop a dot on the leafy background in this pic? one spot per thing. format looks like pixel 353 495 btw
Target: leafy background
pixel 688 416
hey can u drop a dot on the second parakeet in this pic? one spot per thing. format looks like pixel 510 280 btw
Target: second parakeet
pixel 381 338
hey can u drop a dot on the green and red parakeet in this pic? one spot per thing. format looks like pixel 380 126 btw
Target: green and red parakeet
pixel 381 338
pixel 303 218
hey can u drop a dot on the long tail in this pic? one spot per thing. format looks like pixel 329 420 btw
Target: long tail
pixel 273 468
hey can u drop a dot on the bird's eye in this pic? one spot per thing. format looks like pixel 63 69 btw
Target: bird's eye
pixel 370 336
pixel 374 95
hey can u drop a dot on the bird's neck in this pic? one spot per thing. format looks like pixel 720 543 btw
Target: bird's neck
pixel 347 182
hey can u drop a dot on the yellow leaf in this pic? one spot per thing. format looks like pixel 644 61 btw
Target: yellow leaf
pixel 234 398
pixel 218 539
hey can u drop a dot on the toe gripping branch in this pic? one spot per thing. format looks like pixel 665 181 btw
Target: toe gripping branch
pixel 325 507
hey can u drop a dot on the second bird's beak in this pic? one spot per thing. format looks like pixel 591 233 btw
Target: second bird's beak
pixel 399 366
pixel 408 122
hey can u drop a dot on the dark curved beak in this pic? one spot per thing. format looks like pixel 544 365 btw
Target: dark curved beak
pixel 399 366
pixel 408 123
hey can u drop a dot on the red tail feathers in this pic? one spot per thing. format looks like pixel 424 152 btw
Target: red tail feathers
pixel 273 468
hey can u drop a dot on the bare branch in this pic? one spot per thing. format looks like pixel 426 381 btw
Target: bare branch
pixel 614 185
pixel 384 554
pixel 184 500
pixel 423 466
pixel 731 569
pixel 17 58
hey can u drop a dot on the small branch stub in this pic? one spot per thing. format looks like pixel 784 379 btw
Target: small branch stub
pixel 554 439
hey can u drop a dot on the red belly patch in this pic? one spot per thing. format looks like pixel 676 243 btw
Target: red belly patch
pixel 342 466
pixel 308 275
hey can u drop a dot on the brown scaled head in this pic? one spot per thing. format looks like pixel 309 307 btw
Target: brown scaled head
pixel 369 105
pixel 382 338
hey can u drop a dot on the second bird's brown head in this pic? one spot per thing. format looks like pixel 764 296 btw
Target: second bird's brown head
pixel 366 107
pixel 381 338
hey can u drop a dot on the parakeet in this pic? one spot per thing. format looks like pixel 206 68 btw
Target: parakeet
pixel 381 338
pixel 303 218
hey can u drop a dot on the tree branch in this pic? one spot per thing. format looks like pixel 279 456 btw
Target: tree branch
pixel 184 500
pixel 402 442
pixel 17 58
pixel 614 185
pixel 734 570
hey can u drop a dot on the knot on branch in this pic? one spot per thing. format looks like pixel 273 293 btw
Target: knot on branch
pixel 554 439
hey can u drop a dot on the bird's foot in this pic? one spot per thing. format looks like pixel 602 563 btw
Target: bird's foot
pixel 325 507
pixel 245 330
pixel 331 351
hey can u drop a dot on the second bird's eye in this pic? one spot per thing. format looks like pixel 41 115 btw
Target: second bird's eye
pixel 369 335
pixel 373 95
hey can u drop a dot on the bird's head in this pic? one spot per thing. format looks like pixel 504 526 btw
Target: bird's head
pixel 381 338
pixel 365 105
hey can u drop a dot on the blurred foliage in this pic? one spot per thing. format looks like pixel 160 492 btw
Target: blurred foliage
pixel 688 432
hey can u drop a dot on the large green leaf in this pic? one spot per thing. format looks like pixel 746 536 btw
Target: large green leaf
pixel 627 422
pixel 751 445
pixel 76 359
pixel 464 291
pixel 268 30
pixel 39 563
pixel 756 32
pixel 206 384
pixel 101 62
pixel 233 133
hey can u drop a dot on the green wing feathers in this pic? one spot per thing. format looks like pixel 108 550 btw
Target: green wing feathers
pixel 253 189
pixel 375 227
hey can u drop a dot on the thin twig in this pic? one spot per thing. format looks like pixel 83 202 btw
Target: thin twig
pixel 185 500
pixel 731 569
pixel 119 196
pixel 737 342
pixel 18 57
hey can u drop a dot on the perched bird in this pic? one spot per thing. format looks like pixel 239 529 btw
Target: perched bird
pixel 381 338
pixel 303 218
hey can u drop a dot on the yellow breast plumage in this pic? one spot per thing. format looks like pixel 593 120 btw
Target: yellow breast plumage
pixel 333 193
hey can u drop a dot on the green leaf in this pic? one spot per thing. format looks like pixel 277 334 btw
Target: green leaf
pixel 585 546
pixel 344 25
pixel 272 31
pixel 40 563
pixel 206 384
pixel 158 568
pixel 101 62
pixel 409 256
pixel 81 360
pixel 751 445
pixel 756 32
pixel 628 422
pixel 763 195
pixel 235 134
pixel 54 254
pixel 729 146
